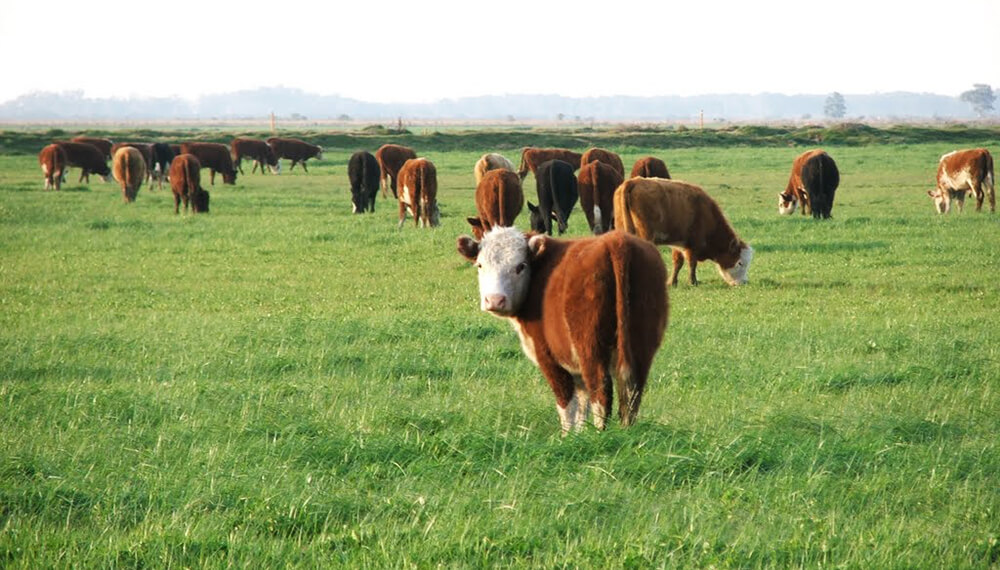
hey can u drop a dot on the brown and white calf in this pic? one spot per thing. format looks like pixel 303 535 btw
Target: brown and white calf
pixel 812 183
pixel 213 156
pixel 185 182
pixel 687 219
pixel 603 155
pixel 295 150
pixel 589 311
pixel 532 158
pixel 54 163
pixel 963 171
pixel 129 169
pixel 490 161
pixel 418 193
pixel 392 157
pixel 597 183
pixel 499 200
pixel 650 167
pixel 257 150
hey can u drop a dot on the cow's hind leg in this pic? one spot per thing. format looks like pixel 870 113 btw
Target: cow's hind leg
pixel 304 166
pixel 678 262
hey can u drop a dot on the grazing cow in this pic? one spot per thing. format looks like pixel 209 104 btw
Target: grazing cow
pixel 532 157
pixel 145 149
pixel 650 167
pixel 490 161
pixel 54 163
pixel 185 182
pixel 597 183
pixel 418 193
pixel 104 145
pixel 259 151
pixel 391 158
pixel 364 173
pixel 162 156
pixel 684 217
pixel 813 182
pixel 557 195
pixel 295 150
pixel 586 310
pixel 213 156
pixel 603 155
pixel 88 158
pixel 499 200
pixel 961 171
pixel 129 168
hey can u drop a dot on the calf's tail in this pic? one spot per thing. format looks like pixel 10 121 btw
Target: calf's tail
pixel 623 214
pixel 629 390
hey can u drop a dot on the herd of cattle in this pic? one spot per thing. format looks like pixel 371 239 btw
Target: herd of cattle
pixel 590 312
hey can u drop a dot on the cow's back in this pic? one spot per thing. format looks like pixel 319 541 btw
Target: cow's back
pixel 650 167
pixel 664 211
pixel 596 184
pixel 603 155
pixel 499 198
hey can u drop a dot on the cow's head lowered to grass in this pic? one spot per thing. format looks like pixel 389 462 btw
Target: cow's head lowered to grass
pixel 503 259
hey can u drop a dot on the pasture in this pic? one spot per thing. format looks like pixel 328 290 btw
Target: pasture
pixel 281 383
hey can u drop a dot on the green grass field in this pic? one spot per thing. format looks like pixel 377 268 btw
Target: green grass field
pixel 282 384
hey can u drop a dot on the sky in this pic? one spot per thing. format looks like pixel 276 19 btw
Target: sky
pixel 396 51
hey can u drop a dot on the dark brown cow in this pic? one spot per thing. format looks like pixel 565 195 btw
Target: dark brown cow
pixel 418 193
pixel 597 183
pixel 259 151
pixel 603 155
pixel 88 158
pixel 213 156
pixel 54 163
pixel 391 158
pixel 499 200
pixel 650 167
pixel 129 167
pixel 532 157
pixel 964 171
pixel 813 183
pixel 185 182
pixel 176 148
pixel 687 219
pixel 587 310
pixel 295 150
pixel 104 145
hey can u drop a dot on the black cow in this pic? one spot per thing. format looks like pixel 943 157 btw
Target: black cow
pixel 162 156
pixel 557 195
pixel 364 172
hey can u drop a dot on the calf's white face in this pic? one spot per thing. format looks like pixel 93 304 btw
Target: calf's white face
pixel 786 203
pixel 737 274
pixel 504 262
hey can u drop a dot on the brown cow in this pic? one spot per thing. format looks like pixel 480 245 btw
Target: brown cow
pixel 391 158
pixel 259 151
pixel 490 161
pixel 499 200
pixel 130 171
pixel 145 149
pixel 596 184
pixel 295 150
pixel 88 158
pixel 650 167
pixel 418 193
pixel 587 310
pixel 813 183
pixel 54 163
pixel 606 156
pixel 961 171
pixel 684 217
pixel 104 145
pixel 185 182
pixel 213 156
pixel 532 157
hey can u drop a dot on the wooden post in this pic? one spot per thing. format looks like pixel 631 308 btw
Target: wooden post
pixel 701 120
pixel 274 132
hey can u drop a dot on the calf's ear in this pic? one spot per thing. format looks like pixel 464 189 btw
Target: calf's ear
pixel 468 247
pixel 536 245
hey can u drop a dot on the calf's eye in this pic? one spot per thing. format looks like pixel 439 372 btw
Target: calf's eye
pixel 520 267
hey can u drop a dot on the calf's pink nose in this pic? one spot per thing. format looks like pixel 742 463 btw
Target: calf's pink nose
pixel 495 302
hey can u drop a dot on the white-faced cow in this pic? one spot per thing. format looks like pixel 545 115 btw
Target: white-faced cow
pixel 557 195
pixel 603 155
pixel 185 182
pixel 364 173
pixel 650 167
pixel 532 157
pixel 129 168
pixel 499 200
pixel 597 183
pixel 490 161
pixel 813 183
pixel 964 171
pixel 53 161
pixel 587 310
pixel 213 156
pixel 418 193
pixel 88 158
pixel 257 150
pixel 296 150
pixel 392 157
pixel 687 219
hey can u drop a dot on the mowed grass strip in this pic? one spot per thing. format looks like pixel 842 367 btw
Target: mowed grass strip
pixel 283 383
